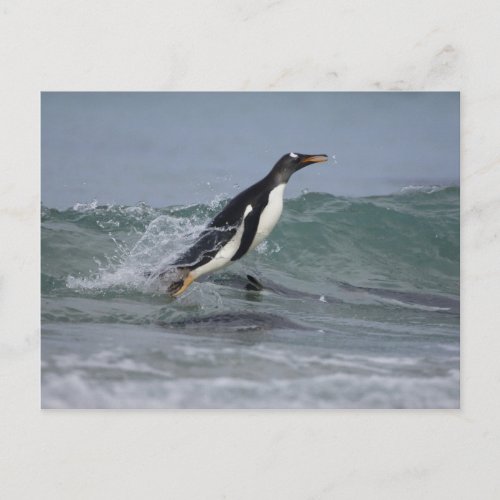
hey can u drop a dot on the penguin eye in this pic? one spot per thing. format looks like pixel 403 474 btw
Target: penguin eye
pixel 293 155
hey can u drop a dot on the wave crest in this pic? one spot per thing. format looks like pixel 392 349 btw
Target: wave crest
pixel 407 239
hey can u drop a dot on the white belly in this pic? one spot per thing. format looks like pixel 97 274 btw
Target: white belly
pixel 225 254
pixel 268 219
pixel 270 215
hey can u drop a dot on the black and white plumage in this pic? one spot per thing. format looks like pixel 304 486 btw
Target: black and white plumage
pixel 242 225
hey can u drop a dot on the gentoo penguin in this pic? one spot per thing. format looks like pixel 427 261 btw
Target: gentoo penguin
pixel 244 223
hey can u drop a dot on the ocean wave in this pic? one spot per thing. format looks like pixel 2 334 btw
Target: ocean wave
pixel 360 307
pixel 410 243
pixel 427 189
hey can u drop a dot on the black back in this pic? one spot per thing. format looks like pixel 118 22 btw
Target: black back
pixel 225 224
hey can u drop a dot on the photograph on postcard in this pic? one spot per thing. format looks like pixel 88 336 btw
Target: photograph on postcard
pixel 250 250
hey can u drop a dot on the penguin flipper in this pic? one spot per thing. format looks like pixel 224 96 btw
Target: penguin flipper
pixel 205 247
pixel 251 224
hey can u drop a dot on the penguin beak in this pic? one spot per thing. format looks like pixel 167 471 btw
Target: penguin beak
pixel 314 159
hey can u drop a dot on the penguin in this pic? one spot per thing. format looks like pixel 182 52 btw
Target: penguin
pixel 244 223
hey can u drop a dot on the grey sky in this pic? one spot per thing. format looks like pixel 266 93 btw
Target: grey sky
pixel 174 148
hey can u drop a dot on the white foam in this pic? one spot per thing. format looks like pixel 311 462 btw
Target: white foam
pixel 268 247
pixel 85 207
pixel 336 390
pixel 420 307
pixel 421 189
pixel 165 237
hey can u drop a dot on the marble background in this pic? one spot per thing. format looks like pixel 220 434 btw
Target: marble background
pixel 259 45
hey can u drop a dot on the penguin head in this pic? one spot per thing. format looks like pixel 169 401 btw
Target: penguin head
pixel 289 164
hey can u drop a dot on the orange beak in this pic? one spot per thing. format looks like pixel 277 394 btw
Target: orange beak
pixel 314 159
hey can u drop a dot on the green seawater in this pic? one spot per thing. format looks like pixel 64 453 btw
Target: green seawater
pixel 360 308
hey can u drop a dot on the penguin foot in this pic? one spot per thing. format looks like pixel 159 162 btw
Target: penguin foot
pixel 180 286
pixel 254 285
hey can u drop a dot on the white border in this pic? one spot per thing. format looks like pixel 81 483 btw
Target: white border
pixel 261 45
